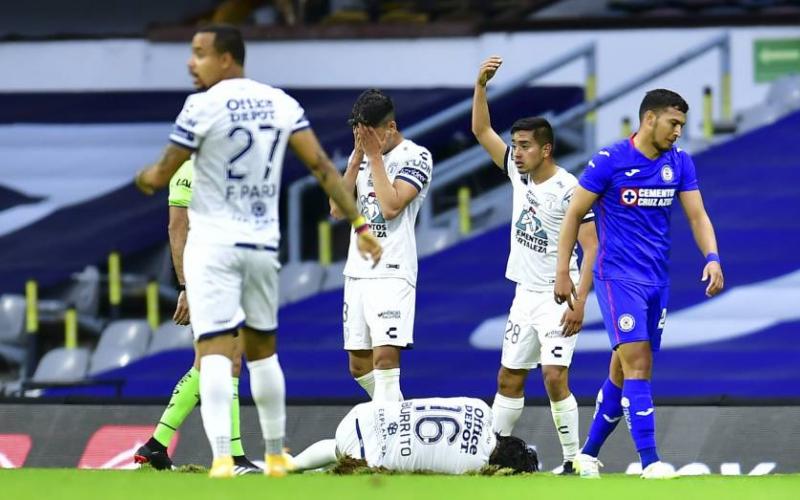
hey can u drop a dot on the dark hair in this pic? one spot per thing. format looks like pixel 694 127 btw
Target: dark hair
pixel 227 38
pixel 371 108
pixel 542 131
pixel 513 453
pixel 659 99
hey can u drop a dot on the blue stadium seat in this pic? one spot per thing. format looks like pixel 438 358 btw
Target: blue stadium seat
pixel 12 328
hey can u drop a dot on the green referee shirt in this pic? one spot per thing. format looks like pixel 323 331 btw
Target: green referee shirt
pixel 180 186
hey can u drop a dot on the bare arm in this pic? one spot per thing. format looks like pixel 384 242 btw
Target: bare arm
pixel 582 200
pixel 587 239
pixel 572 320
pixel 392 197
pixel 481 123
pixel 703 232
pixel 178 229
pixel 157 176
pixel 306 146
pixel 350 174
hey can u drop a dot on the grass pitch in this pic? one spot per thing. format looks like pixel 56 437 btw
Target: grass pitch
pixel 69 484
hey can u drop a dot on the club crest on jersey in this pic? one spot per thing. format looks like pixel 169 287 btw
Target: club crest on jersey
pixel 667 174
pixel 529 231
pixel 626 322
pixel 629 196
pixel 549 201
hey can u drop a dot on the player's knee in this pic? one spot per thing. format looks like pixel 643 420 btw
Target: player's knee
pixel 360 366
pixel 556 382
pixel 511 383
pixel 386 358
pixel 236 367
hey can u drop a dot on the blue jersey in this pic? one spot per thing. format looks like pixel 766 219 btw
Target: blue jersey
pixel 633 210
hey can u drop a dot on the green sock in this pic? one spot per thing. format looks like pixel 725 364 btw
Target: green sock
pixel 237 449
pixel 184 399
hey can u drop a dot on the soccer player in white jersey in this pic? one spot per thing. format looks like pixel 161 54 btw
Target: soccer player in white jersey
pixel 538 331
pixel 239 130
pixel 444 435
pixel 390 175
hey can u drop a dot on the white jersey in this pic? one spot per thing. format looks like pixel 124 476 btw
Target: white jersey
pixel 413 164
pixel 239 129
pixel 538 212
pixel 445 435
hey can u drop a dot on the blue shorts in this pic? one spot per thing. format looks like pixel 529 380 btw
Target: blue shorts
pixel 632 312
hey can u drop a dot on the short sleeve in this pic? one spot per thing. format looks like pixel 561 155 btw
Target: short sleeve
pixel 194 121
pixel 417 170
pixel 507 166
pixel 297 115
pixel 597 175
pixel 565 204
pixel 180 186
pixel 688 174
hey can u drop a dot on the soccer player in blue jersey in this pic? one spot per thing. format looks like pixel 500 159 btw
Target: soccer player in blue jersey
pixel 632 185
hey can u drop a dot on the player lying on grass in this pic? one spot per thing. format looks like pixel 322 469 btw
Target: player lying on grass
pixel 444 435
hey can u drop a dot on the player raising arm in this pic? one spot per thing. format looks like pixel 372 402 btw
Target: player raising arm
pixel 538 331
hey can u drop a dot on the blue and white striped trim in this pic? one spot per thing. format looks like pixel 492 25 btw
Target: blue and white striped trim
pixel 411 181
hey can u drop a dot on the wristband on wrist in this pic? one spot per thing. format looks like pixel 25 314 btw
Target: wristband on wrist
pixel 360 224
pixel 712 257
pixel 181 287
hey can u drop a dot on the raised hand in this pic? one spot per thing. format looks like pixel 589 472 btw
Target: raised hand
pixel 488 68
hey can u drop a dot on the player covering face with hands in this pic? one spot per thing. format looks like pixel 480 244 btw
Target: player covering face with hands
pixel 538 331
pixel 390 176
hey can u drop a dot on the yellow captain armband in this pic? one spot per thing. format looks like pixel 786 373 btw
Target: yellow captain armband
pixel 360 224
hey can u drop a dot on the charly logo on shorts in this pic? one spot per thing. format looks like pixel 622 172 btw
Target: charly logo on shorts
pixel 626 322
pixel 667 174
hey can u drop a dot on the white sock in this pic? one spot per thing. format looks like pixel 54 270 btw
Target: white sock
pixel 565 416
pixel 268 388
pixel 387 385
pixel 317 455
pixel 216 395
pixel 367 382
pixel 506 412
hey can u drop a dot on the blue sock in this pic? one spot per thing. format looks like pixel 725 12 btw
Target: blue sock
pixel 640 414
pixel 607 414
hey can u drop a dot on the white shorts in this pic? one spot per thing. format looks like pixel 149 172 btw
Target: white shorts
pixel 378 312
pixel 230 286
pixel 533 333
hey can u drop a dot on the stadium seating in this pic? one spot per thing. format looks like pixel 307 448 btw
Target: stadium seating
pixel 62 365
pixel 299 280
pixel 120 343
pixel 12 328
pixel 432 240
pixel 171 336
pixel 333 276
